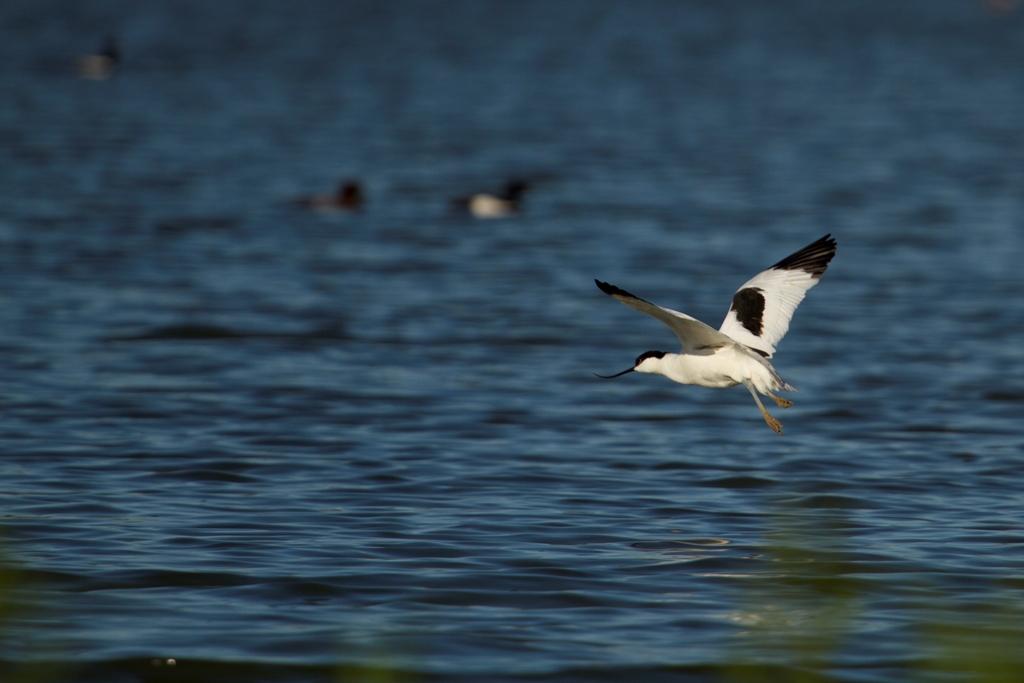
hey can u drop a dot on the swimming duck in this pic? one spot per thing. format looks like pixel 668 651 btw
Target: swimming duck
pixel 485 205
pixel 99 66
pixel 348 196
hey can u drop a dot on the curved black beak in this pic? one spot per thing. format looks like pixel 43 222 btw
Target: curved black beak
pixel 611 376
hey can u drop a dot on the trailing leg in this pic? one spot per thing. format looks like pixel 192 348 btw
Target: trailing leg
pixel 772 422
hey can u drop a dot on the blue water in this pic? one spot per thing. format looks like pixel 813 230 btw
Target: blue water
pixel 244 442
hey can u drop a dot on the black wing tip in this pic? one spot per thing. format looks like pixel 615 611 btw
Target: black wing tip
pixel 612 290
pixel 812 259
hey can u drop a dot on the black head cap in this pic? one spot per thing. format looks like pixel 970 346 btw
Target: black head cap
pixel 648 354
pixel 514 190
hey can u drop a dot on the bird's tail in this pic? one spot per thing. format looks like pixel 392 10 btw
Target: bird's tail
pixel 779 382
pixel 776 380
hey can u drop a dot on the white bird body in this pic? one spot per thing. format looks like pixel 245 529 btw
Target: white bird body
pixel 757 320
pixel 728 366
pixel 484 205
pixel 489 206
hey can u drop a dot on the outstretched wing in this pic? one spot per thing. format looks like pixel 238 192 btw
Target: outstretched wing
pixel 696 337
pixel 762 307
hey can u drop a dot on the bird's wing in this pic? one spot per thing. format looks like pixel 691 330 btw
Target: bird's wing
pixel 762 307
pixel 696 337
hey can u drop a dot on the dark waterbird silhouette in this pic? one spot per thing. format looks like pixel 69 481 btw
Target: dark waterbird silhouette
pixel 348 197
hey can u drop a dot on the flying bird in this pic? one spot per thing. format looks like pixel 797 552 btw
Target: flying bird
pixel 737 352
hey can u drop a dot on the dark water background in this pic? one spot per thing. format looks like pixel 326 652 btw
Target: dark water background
pixel 274 445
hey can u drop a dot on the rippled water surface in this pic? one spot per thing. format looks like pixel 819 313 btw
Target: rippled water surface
pixel 245 442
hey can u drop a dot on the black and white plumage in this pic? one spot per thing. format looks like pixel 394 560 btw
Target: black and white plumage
pixel 484 205
pixel 738 352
